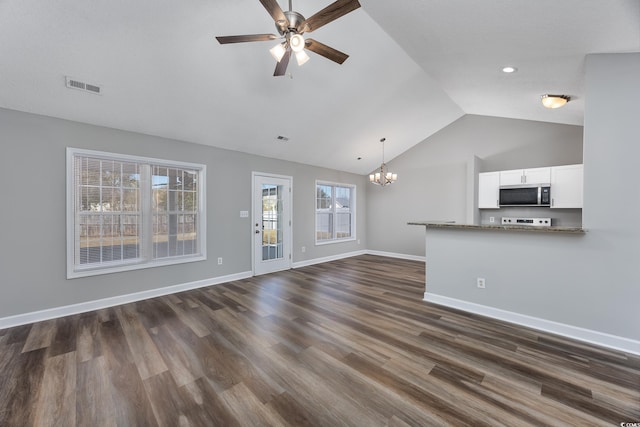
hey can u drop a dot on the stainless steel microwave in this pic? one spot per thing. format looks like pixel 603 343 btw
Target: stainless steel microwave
pixel 525 196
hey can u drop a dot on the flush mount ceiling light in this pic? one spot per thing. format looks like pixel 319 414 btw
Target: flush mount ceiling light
pixel 383 177
pixel 291 25
pixel 554 101
pixel 508 69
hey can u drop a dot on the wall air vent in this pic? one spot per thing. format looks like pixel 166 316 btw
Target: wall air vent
pixel 79 85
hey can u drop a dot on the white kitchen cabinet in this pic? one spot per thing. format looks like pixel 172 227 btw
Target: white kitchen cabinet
pixel 512 177
pixel 488 190
pixel 537 176
pixel 532 176
pixel 566 186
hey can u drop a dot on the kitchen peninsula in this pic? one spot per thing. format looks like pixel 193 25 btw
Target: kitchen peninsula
pixel 516 273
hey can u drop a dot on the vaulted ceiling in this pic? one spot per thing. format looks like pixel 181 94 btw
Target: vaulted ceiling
pixel 415 66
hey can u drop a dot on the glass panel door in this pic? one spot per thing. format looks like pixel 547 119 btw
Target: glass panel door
pixel 272 223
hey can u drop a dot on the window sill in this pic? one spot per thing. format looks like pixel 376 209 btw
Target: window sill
pixel 330 242
pixel 97 271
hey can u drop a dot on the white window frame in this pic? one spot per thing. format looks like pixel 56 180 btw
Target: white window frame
pixel 145 260
pixel 352 211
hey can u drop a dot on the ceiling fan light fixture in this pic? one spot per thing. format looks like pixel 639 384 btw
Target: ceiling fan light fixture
pixel 302 57
pixel 554 101
pixel 291 25
pixel 297 43
pixel 278 51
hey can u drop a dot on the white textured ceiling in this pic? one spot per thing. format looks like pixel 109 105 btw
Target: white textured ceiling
pixel 414 67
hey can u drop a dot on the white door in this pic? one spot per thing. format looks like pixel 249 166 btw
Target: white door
pixel 271 223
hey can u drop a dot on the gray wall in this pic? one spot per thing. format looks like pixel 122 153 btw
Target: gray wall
pixel 612 196
pixel 589 281
pixel 32 170
pixel 432 176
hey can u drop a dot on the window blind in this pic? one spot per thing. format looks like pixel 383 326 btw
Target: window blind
pixel 131 212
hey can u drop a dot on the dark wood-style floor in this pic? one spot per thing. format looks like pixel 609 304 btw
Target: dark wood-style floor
pixel 343 343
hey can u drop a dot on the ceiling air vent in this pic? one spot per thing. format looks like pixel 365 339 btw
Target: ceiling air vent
pixel 86 87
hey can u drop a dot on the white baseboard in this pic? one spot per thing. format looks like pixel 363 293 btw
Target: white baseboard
pixel 593 337
pixel 590 336
pixel 67 310
pixel 356 253
pixel 52 313
pixel 397 255
pixel 326 259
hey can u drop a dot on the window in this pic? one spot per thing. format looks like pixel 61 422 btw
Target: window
pixel 126 212
pixel 335 212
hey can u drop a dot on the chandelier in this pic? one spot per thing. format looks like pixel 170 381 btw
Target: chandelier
pixel 383 176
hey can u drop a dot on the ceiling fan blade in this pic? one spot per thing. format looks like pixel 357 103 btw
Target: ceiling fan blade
pixel 276 13
pixel 326 51
pixel 246 38
pixel 330 13
pixel 281 67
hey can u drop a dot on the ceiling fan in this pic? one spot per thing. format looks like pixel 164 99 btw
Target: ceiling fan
pixel 291 25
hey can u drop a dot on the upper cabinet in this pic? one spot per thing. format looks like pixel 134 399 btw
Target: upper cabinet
pixel 565 182
pixel 566 186
pixel 488 190
pixel 526 176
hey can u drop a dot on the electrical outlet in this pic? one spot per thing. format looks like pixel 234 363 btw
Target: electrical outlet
pixel 492 219
pixel 481 282
pixel 219 261
pixel 304 249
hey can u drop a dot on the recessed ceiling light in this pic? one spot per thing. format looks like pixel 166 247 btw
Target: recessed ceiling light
pixel 509 69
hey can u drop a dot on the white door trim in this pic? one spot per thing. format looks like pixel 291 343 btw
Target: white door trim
pixel 288 237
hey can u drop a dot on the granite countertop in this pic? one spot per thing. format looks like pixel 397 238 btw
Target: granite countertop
pixel 460 226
